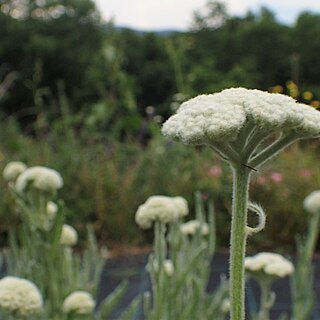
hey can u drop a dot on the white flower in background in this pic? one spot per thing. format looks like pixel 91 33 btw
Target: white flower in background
pixel 50 215
pixel 219 117
pixel 190 227
pixel 79 302
pixel 268 263
pixel 69 236
pixel 52 209
pixel 20 297
pixel 13 169
pixel 168 267
pixel 41 178
pixel 162 208
pixel 181 206
pixel 312 202
pixel 225 306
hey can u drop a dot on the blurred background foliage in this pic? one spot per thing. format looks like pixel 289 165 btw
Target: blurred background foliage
pixel 87 98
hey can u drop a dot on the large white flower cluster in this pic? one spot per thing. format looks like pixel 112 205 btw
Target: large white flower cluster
pixel 78 302
pixel 220 116
pixel 162 208
pixel 191 227
pixel 312 202
pixel 268 263
pixel 69 236
pixel 20 296
pixel 41 178
pixel 13 169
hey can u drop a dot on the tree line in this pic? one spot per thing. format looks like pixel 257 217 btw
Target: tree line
pixel 57 51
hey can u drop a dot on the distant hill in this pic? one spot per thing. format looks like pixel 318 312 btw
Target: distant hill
pixel 164 32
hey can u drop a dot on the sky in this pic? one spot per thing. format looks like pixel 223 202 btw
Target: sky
pixel 177 14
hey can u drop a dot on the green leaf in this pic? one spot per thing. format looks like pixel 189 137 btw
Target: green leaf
pixel 111 301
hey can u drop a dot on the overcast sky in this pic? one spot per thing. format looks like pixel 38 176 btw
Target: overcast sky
pixel 177 14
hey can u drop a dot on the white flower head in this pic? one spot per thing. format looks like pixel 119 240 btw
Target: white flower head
pixel 269 263
pixel 20 296
pixel 181 205
pixel 225 306
pixel 312 202
pixel 79 302
pixel 41 178
pixel 52 209
pixel 69 236
pixel 191 227
pixel 219 117
pixel 13 169
pixel 168 267
pixel 162 208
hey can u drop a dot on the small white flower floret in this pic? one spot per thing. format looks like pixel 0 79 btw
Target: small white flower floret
pixel 168 267
pixel 162 208
pixel 191 227
pixel 181 205
pixel 79 302
pixel 13 169
pixel 20 296
pixel 268 263
pixel 312 202
pixel 41 178
pixel 69 236
pixel 52 209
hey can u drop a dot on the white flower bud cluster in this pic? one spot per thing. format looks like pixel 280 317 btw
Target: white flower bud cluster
pixel 41 178
pixel 52 210
pixel 78 302
pixel 69 236
pixel 225 306
pixel 191 227
pixel 268 263
pixel 20 296
pixel 13 169
pixel 219 117
pixel 312 202
pixel 162 208
pixel 168 267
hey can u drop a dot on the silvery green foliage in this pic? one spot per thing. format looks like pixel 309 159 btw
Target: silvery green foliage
pixel 179 270
pixel 41 253
pixel 302 285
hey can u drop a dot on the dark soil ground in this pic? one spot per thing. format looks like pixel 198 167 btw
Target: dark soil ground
pixel 132 268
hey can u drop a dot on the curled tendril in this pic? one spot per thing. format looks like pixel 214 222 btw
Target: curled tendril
pixel 254 207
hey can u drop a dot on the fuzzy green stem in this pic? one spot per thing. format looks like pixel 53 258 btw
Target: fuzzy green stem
pixel 266 301
pixel 311 240
pixel 241 177
pixel 160 254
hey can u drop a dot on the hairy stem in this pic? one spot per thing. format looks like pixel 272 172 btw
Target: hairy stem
pixel 312 236
pixel 241 177
pixel 266 301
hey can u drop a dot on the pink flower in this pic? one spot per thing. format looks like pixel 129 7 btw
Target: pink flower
pixel 215 171
pixel 306 173
pixel 276 177
pixel 262 180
